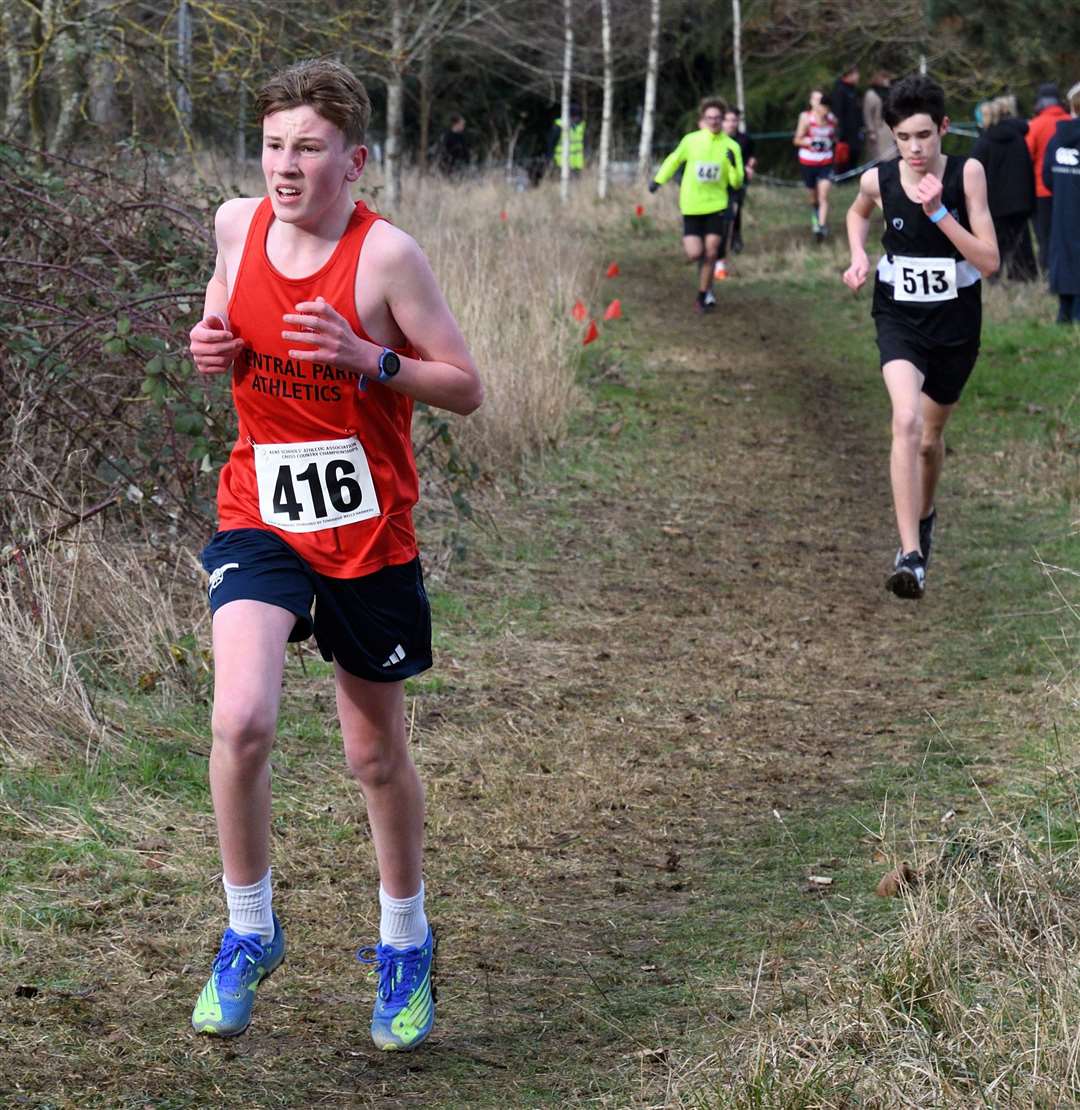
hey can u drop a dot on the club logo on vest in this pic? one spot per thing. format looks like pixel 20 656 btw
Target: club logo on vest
pixel 898 223
pixel 1067 156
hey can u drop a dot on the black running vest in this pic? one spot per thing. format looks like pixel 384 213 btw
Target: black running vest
pixel 909 233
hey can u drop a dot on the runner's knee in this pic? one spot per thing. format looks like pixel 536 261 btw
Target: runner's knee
pixel 375 760
pixel 244 732
pixel 932 442
pixel 907 423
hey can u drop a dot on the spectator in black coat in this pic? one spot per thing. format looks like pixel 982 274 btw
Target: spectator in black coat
pixel 1010 184
pixel 845 105
pixel 1061 175
pixel 453 156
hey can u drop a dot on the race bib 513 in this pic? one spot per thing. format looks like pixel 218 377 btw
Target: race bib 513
pixel 305 487
pixel 924 279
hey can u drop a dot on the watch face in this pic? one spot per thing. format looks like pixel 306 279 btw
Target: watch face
pixel 389 363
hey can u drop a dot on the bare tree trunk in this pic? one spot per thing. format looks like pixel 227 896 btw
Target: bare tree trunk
pixel 183 64
pixel 425 107
pixel 102 104
pixel 564 137
pixel 14 32
pixel 70 85
pixel 609 93
pixel 648 111
pixel 240 136
pixel 740 99
pixel 395 108
pixel 511 146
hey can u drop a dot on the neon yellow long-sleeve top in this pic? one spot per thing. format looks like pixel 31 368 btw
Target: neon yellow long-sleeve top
pixel 713 165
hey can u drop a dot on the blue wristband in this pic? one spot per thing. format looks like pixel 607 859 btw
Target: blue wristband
pixel 939 215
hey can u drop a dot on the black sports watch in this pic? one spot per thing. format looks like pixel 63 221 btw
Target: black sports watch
pixel 389 365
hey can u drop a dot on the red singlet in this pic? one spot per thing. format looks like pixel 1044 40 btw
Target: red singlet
pixel 822 138
pixel 342 526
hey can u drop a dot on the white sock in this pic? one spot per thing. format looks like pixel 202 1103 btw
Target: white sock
pixel 403 923
pixel 249 908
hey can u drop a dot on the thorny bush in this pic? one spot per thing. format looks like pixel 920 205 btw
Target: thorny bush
pixel 105 270
pixel 106 266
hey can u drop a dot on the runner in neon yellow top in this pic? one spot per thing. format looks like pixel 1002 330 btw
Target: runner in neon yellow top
pixel 712 165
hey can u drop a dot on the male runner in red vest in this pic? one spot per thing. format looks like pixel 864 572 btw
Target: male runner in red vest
pixel 332 325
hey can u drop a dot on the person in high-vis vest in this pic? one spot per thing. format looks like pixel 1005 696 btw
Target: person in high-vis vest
pixel 577 141
pixel 712 166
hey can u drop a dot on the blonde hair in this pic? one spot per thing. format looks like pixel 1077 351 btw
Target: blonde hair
pixel 1073 97
pixel 327 86
pixel 994 111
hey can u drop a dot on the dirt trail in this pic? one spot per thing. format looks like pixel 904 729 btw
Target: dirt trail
pixel 685 632
pixel 716 643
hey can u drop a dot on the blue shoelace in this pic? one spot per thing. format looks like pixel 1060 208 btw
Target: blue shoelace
pixel 397 970
pixel 230 968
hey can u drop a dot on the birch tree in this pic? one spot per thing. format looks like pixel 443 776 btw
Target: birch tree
pixel 648 110
pixel 395 105
pixel 567 72
pixel 609 95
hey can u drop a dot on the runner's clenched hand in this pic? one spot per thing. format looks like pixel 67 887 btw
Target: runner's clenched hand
pixel 928 193
pixel 855 275
pixel 331 337
pixel 213 346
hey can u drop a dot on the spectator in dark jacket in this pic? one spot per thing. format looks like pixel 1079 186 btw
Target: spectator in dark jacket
pixel 845 105
pixel 1048 114
pixel 1061 176
pixel 453 156
pixel 1010 184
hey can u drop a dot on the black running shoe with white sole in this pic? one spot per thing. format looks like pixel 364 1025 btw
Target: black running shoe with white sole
pixel 926 535
pixel 908 579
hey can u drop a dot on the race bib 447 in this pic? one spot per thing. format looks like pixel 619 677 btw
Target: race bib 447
pixel 305 487
pixel 924 279
pixel 708 171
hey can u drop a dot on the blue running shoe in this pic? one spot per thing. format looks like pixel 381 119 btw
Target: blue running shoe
pixel 405 1002
pixel 243 962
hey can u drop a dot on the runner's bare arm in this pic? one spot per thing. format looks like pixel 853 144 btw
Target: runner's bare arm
pixel 213 346
pixel 801 138
pixel 858 228
pixel 979 246
pixel 445 376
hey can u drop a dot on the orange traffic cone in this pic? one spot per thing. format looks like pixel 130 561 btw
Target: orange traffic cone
pixel 613 311
pixel 592 332
pixel 720 270
pixel 613 270
pixel 639 210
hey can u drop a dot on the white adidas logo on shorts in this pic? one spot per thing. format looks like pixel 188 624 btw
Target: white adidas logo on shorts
pixel 396 656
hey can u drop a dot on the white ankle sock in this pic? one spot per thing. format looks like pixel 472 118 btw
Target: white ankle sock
pixel 249 908
pixel 403 923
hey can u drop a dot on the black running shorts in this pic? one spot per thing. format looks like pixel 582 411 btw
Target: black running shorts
pixel 811 175
pixel 945 370
pixel 712 223
pixel 376 627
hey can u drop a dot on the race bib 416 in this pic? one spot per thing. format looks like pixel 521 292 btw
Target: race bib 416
pixel 305 487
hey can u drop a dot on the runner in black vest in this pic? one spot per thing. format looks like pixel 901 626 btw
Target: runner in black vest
pixel 939 241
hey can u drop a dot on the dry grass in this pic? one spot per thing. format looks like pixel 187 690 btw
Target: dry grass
pixel 972 997
pixel 85 618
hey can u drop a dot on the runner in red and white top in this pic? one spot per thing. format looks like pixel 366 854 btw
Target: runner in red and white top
pixel 815 136
pixel 332 325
